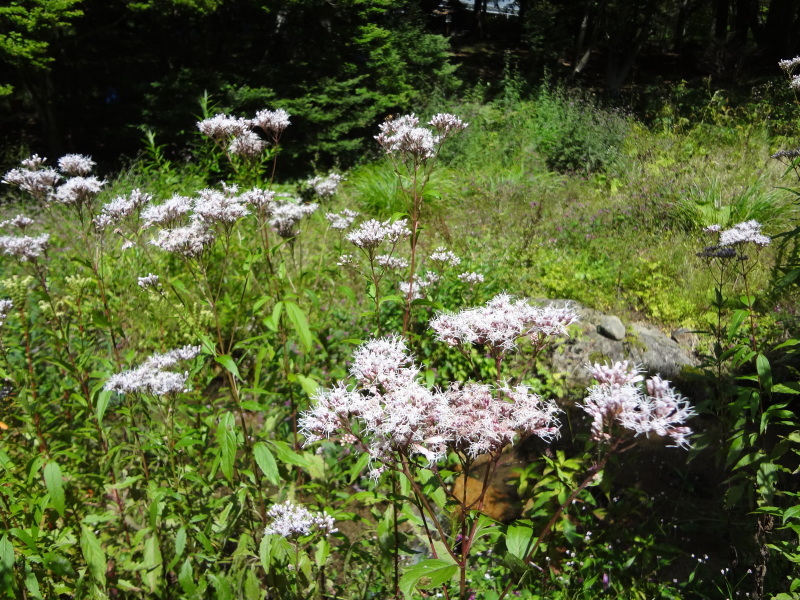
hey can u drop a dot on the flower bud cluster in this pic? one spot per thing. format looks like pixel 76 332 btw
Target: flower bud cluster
pixel 403 135
pixel 25 248
pixel 34 178
pixel 20 222
pixel 152 377
pixel 121 207
pixel 744 233
pixel 618 400
pixel 286 213
pixel 291 520
pixel 76 164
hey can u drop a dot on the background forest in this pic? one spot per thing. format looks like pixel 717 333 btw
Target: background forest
pixel 286 310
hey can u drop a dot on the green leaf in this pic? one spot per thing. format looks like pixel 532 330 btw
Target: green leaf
pixel 434 570
pixel 519 540
pixel 54 481
pixel 94 555
pixel 298 320
pixel 791 513
pixel 764 372
pixel 101 405
pixel 310 387
pixel 786 388
pixel 6 554
pixel 266 462
pixel 152 564
pixel 186 578
pixel 226 438
pixel 226 361
pixel 288 456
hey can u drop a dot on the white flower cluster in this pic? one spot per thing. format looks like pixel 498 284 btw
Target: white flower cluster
pixel 152 377
pixel 272 122
pixel 389 410
pixel 291 520
pixel 285 214
pixel 471 277
pixel 325 187
pixel 34 178
pixel 392 263
pixel 372 233
pixel 445 257
pixel 190 240
pixel 149 281
pixel 120 208
pixel 223 207
pixel 618 400
pixel 416 291
pixel 237 134
pixel 169 212
pixel 404 135
pixel 342 220
pixel 20 222
pixel 501 323
pixel 789 65
pixel 5 308
pixel 76 164
pixel 79 190
pixel 743 233
pixel 25 248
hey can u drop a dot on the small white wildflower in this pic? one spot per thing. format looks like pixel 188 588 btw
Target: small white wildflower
pixel 5 308
pixel 151 377
pixel 258 198
pixel 347 260
pixel 32 178
pixel 445 124
pixel 789 65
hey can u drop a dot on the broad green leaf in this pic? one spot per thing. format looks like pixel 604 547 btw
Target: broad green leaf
pixel 94 555
pixel 54 481
pixel 6 554
pixel 266 462
pixel 186 578
pixel 298 320
pixel 226 361
pixel 252 586
pixel 433 571
pixel 520 540
pixel 180 542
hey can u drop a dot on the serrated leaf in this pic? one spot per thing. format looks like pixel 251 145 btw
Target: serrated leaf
pixel 288 456
pixel 54 481
pixel 435 571
pixel 266 462
pixel 186 578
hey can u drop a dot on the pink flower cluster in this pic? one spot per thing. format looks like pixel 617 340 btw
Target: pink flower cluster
pixel 618 400
pixel 500 323
pixel 389 411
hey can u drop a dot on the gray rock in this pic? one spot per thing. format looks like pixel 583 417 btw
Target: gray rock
pixel 612 328
pixel 645 345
